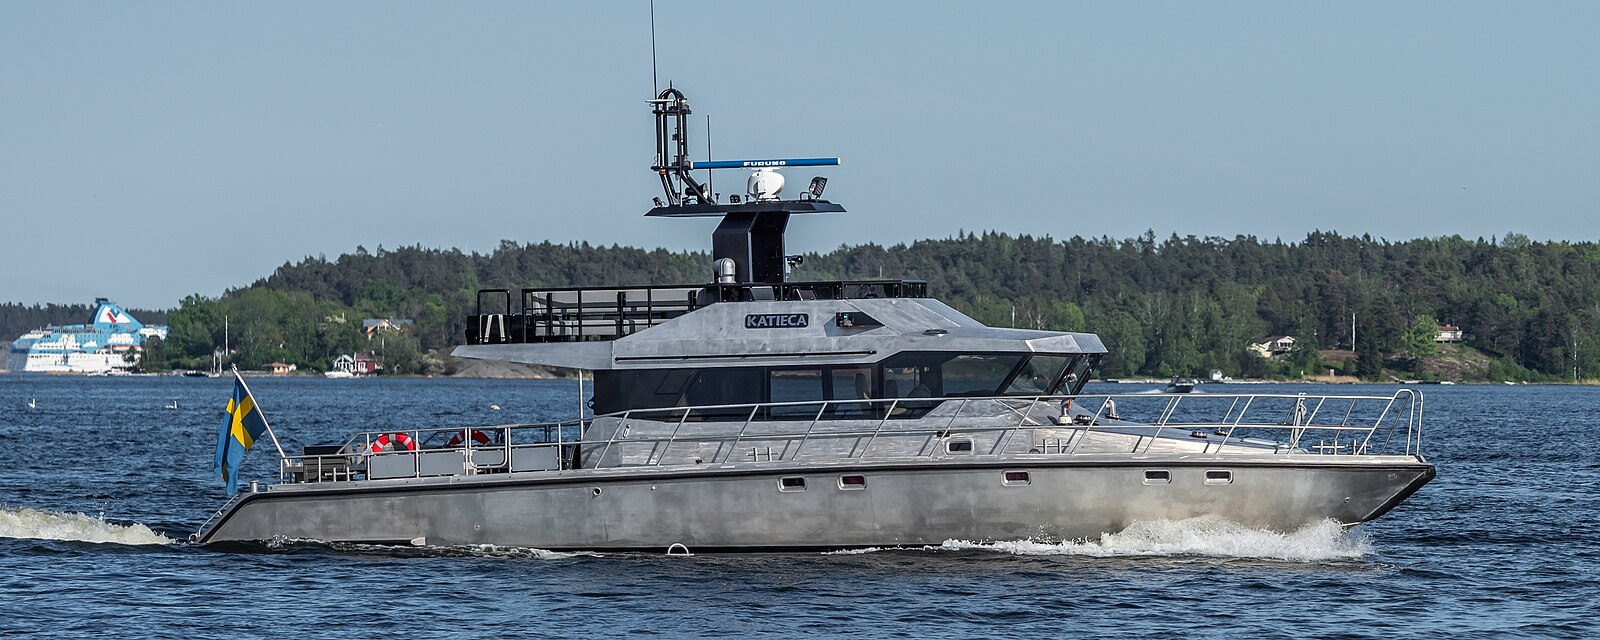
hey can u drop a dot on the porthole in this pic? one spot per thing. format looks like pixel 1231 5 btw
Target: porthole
pixel 792 483
pixel 852 482
pixel 1157 476
pixel 962 445
pixel 1017 478
pixel 1215 476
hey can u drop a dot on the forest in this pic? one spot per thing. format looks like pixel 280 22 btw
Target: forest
pixel 15 319
pixel 1181 306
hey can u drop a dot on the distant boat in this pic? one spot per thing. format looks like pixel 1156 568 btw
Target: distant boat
pixel 338 375
pixel 1180 386
pixel 112 342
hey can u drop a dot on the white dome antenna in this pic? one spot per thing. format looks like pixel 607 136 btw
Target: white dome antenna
pixel 764 184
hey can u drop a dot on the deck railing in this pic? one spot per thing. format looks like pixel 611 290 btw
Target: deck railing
pixel 569 314
pixel 1129 424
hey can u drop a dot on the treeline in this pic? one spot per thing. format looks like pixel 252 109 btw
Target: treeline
pixel 17 319
pixel 1179 306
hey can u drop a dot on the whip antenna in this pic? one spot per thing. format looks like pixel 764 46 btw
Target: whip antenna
pixel 655 85
pixel 711 181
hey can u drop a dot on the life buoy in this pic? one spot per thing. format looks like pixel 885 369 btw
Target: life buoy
pixel 479 438
pixel 394 442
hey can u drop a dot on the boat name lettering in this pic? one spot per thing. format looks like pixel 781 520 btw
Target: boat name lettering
pixel 776 321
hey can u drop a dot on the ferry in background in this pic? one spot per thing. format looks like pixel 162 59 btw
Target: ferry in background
pixel 112 343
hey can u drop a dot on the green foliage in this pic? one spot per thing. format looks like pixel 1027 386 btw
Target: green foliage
pixel 1183 305
pixel 1418 339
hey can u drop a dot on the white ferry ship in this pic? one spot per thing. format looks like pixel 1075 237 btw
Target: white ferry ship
pixel 113 342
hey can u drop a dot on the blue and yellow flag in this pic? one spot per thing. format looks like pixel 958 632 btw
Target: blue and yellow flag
pixel 242 425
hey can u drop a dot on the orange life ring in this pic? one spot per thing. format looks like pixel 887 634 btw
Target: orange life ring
pixel 393 442
pixel 479 438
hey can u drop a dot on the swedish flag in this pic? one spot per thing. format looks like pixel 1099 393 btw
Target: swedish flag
pixel 240 428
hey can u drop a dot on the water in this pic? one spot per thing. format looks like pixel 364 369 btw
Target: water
pixel 101 482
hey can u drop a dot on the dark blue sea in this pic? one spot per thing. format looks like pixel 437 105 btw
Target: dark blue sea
pixel 101 482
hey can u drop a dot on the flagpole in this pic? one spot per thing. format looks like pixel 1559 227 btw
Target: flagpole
pixel 246 386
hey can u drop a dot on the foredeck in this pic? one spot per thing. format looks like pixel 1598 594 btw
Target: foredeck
pixel 574 314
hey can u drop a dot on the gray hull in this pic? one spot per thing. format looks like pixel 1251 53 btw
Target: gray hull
pixel 743 507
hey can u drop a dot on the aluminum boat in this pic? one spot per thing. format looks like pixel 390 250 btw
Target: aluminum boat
pixel 757 412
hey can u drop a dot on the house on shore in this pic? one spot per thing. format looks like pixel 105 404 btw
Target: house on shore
pixel 374 326
pixel 359 364
pixel 1273 347
pixel 1449 333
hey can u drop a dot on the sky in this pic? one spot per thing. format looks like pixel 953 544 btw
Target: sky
pixel 150 151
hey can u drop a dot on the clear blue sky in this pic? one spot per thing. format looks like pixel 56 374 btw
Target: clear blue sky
pixel 152 150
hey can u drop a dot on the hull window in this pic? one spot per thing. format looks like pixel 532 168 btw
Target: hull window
pixel 792 483
pixel 962 445
pixel 1219 477
pixel 1017 478
pixel 852 482
pixel 1157 476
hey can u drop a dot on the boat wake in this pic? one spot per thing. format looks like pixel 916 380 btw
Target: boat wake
pixel 29 523
pixel 1207 536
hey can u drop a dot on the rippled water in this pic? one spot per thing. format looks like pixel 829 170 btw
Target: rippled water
pixel 101 482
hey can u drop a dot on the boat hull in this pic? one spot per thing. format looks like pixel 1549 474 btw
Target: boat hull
pixel 743 507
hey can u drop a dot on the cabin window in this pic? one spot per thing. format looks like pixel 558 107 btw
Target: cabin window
pixel 958 445
pixel 850 383
pixel 795 385
pixel 977 375
pixel 1017 478
pixel 724 386
pixel 1038 376
pixel 1214 476
pixel 792 483
pixel 1157 476
pixel 1078 374
pixel 852 482
pixel 616 391
pixel 673 382
pixel 920 381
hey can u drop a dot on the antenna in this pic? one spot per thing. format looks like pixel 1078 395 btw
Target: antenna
pixel 655 85
pixel 711 177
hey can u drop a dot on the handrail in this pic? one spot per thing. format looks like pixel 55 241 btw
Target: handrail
pixel 227 505
pixel 628 432
pixel 555 314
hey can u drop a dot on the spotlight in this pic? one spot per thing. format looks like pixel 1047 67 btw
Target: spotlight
pixel 657 201
pixel 817 185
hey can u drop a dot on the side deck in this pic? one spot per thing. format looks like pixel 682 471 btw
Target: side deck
pixel 994 428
